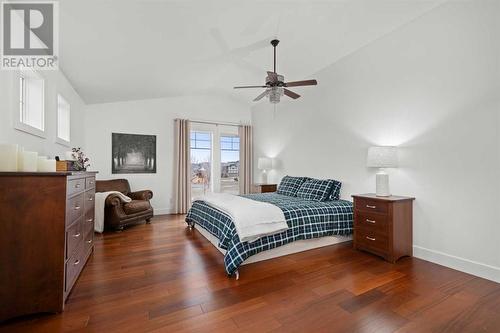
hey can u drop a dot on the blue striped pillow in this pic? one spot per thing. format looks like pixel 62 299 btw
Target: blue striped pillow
pixel 316 189
pixel 290 185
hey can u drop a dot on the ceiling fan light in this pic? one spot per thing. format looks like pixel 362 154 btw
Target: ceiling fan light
pixel 275 94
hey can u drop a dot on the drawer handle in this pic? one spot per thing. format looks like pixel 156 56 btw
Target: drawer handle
pixel 91 199
pixel 91 182
pixel 90 220
pixel 372 207
pixel 371 221
pixel 77 185
pixel 76 235
pixel 89 241
pixel 76 262
pixel 77 207
pixel 370 238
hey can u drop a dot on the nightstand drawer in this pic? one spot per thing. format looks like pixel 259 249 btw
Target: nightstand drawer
pixel 372 240
pixel 368 205
pixel 371 221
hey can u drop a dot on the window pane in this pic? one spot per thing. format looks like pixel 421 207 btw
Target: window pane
pixel 230 165
pixel 31 92
pixel 201 163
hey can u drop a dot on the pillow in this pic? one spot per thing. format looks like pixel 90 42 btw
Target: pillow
pixel 316 189
pixel 290 185
pixel 335 194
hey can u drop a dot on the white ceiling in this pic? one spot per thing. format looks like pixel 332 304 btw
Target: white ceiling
pixel 116 50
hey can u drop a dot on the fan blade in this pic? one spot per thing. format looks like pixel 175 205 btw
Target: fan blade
pixel 242 87
pixel 301 83
pixel 291 94
pixel 264 94
pixel 273 76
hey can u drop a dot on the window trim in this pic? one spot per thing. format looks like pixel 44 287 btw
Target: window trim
pixel 18 124
pixel 58 139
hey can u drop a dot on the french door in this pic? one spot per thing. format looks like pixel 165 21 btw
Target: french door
pixel 215 159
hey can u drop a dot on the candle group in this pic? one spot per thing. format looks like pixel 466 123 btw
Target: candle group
pixel 14 158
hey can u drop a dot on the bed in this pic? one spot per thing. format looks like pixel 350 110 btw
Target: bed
pixel 306 219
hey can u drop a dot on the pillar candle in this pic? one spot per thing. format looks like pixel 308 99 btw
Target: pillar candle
pixel 40 163
pixel 29 161
pixel 8 157
pixel 46 165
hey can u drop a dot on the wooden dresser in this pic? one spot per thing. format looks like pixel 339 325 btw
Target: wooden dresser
pixel 264 188
pixel 383 225
pixel 46 237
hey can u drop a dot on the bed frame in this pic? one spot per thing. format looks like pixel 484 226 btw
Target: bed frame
pixel 290 248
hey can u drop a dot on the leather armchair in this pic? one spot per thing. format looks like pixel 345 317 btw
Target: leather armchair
pixel 120 214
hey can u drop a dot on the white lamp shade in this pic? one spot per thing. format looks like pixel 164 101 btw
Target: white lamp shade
pixel 382 157
pixel 265 163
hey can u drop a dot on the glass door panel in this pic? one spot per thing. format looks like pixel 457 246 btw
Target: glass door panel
pixel 229 163
pixel 201 163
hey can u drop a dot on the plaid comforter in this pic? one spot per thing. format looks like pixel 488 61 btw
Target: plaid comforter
pixel 306 219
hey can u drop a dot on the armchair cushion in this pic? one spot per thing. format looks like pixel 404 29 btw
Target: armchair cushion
pixel 136 206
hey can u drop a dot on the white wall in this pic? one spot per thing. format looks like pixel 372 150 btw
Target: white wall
pixel 432 88
pixel 55 82
pixel 156 117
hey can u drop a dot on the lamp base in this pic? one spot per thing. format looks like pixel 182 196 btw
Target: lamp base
pixel 263 177
pixel 382 184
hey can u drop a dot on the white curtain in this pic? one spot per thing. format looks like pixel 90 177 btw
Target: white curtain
pixel 182 160
pixel 246 158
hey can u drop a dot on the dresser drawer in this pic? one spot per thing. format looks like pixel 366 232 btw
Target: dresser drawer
pixel 73 268
pixel 88 221
pixel 88 241
pixel 371 221
pixel 75 186
pixel 372 240
pixel 89 183
pixel 74 208
pixel 368 205
pixel 74 236
pixel 89 197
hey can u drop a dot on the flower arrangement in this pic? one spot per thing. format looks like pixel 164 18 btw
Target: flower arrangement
pixel 81 162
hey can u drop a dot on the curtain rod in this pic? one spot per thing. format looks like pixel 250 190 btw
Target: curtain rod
pixel 215 123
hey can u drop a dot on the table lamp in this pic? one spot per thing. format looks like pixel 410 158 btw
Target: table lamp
pixel 264 164
pixel 382 157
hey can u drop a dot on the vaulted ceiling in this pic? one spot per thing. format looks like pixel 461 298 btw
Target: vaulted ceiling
pixel 116 50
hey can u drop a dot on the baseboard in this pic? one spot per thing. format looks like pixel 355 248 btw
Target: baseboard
pixel 163 211
pixel 460 264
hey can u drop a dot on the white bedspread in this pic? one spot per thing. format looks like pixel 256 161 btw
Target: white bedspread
pixel 252 219
pixel 100 201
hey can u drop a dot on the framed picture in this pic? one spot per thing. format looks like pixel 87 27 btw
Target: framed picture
pixel 133 153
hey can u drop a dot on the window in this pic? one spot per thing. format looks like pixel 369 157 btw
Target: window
pixel 215 159
pixel 31 103
pixel 63 120
pixel 201 162
pixel 230 163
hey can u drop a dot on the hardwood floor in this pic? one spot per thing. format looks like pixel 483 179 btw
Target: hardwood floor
pixel 163 277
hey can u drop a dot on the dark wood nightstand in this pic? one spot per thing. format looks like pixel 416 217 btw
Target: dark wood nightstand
pixel 384 225
pixel 264 188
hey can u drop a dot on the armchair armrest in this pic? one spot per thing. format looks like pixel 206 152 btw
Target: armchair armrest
pixel 113 200
pixel 141 195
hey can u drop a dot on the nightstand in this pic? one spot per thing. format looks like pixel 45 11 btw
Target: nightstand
pixel 384 225
pixel 264 188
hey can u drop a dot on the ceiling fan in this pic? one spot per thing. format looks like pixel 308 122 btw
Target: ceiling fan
pixel 276 85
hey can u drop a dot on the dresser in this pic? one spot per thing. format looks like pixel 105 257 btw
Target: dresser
pixel 383 225
pixel 46 237
pixel 264 188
